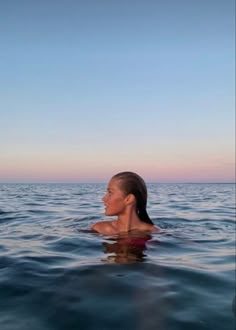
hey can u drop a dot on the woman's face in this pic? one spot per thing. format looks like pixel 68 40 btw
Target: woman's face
pixel 114 199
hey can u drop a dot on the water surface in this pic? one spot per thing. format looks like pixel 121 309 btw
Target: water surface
pixel 56 274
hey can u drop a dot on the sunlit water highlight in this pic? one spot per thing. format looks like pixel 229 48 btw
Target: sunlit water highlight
pixel 56 274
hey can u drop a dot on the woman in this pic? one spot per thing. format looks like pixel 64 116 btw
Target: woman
pixel 126 197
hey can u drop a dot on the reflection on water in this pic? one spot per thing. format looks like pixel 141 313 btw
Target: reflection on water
pixel 56 274
pixel 126 247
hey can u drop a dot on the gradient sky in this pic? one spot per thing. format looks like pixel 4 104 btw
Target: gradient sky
pixel 90 88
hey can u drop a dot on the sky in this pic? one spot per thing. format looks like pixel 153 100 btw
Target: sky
pixel 91 88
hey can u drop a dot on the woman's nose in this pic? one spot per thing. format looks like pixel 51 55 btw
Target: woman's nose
pixel 103 198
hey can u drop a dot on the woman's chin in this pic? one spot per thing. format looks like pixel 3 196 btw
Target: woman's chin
pixel 107 213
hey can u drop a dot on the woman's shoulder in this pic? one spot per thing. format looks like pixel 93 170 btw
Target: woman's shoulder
pixel 151 228
pixel 156 229
pixel 104 227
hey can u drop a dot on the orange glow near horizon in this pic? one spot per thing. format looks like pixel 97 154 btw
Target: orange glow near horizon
pixel 168 164
pixel 94 173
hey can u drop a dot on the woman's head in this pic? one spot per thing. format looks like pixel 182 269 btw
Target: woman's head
pixel 132 183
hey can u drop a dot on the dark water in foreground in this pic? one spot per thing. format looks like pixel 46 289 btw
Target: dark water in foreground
pixel 55 274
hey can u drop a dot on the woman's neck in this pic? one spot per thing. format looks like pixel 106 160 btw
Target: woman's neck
pixel 128 221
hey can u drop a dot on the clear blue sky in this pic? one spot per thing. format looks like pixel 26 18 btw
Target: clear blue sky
pixel 89 88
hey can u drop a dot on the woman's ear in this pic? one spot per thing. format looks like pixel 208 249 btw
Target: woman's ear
pixel 130 199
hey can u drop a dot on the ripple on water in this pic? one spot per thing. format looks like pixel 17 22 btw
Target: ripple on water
pixel 55 274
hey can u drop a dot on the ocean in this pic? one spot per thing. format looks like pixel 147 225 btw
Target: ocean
pixel 55 274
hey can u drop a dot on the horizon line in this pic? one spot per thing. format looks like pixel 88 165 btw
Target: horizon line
pixel 105 182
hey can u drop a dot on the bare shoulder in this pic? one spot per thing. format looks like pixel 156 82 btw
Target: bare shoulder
pixel 156 229
pixel 152 228
pixel 104 227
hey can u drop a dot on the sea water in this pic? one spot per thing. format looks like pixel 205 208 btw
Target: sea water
pixel 55 274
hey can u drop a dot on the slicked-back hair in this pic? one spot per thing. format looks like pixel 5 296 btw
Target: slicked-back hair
pixel 132 183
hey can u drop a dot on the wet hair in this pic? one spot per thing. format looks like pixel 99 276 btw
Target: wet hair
pixel 132 183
